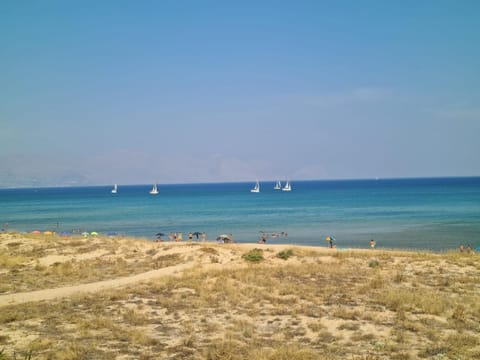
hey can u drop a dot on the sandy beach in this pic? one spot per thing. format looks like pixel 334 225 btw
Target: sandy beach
pixel 124 298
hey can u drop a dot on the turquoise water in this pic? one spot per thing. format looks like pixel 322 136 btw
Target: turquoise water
pixel 435 214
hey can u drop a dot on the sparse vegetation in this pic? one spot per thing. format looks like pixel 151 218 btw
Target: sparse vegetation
pixel 319 306
pixel 374 263
pixel 255 255
pixel 108 261
pixel 209 250
pixel 285 254
pixel 16 356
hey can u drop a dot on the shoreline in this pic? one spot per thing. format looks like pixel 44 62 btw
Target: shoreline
pixel 53 234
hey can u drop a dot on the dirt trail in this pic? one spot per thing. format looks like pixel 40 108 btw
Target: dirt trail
pixel 224 256
pixel 49 294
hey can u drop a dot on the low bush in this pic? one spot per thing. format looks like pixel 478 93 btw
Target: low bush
pixel 255 255
pixel 285 254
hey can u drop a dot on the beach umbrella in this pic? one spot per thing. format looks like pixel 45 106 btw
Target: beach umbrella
pixel 84 234
pixel 197 234
pixel 159 235
pixel 112 233
pixel 36 232
pixel 47 233
pixel 65 233
pixel 94 233
pixel 225 238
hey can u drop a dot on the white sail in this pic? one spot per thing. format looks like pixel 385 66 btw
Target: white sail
pixel 256 189
pixel 278 185
pixel 287 186
pixel 114 190
pixel 154 190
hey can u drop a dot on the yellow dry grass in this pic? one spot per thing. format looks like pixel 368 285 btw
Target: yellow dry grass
pixel 313 304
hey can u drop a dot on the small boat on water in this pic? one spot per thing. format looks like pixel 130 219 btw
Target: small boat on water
pixel 278 185
pixel 256 189
pixel 114 190
pixel 154 190
pixel 287 186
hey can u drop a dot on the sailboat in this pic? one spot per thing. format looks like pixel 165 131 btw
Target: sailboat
pixel 278 185
pixel 154 190
pixel 287 186
pixel 256 189
pixel 114 190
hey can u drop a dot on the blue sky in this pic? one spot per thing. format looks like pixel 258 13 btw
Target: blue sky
pixel 134 92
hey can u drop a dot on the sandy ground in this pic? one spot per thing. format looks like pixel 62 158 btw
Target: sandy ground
pixel 180 248
pixel 55 293
pixel 335 304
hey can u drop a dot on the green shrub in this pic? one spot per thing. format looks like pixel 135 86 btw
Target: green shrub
pixel 255 255
pixel 285 254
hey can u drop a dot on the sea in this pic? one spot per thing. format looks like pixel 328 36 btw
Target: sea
pixel 435 214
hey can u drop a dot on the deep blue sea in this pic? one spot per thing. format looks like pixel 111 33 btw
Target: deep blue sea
pixel 436 214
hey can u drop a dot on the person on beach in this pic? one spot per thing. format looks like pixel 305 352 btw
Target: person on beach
pixel 330 239
pixel 461 248
pixel 204 236
pixel 469 249
pixel 372 244
pixel 263 240
pixel 179 237
pixel 190 236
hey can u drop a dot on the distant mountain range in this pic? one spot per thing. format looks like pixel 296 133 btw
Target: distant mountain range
pixel 10 180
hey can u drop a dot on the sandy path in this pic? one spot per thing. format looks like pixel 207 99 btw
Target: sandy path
pixel 61 292
pixel 49 294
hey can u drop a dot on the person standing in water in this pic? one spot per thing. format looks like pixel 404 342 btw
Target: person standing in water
pixel 263 240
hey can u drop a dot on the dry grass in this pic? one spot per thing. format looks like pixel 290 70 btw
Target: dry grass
pixel 311 305
pixel 44 262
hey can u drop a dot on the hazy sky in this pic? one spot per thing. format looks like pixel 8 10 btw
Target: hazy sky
pixel 102 92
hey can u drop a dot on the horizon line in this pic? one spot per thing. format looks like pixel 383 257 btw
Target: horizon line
pixel 247 182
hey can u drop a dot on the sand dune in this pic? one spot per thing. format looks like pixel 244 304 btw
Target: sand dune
pixel 123 298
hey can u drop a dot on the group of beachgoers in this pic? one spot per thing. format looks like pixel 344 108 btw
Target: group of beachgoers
pixel 466 249
pixel 330 239
pixel 264 236
pixel 178 236
pixel 331 242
